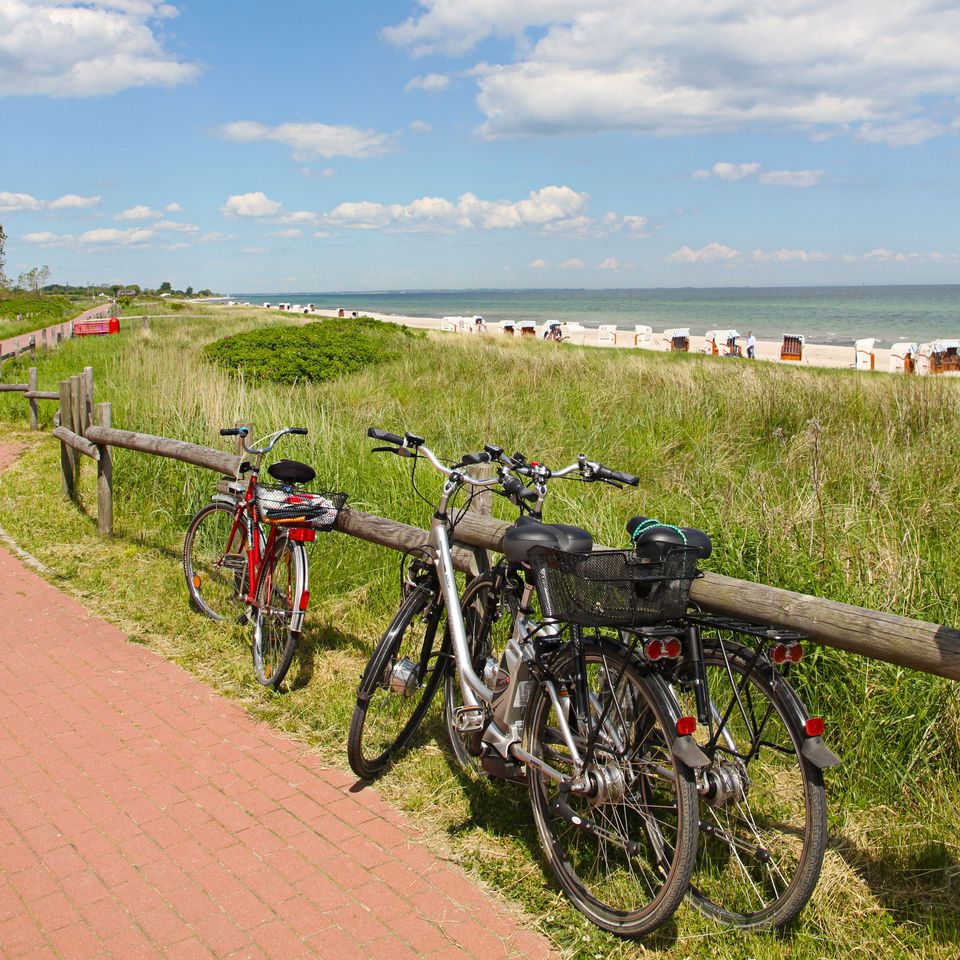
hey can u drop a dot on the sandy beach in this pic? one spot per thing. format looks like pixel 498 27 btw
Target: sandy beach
pixel 814 354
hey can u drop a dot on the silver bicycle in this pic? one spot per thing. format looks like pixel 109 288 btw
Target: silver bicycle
pixel 595 733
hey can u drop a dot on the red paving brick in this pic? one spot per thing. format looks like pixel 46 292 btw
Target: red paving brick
pixel 143 816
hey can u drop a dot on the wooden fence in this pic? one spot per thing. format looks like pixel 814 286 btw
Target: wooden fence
pixel 84 429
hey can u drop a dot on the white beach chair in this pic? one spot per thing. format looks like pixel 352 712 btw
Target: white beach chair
pixel 903 358
pixel 448 324
pixel 574 332
pixel 608 335
pixel 864 356
pixel 642 335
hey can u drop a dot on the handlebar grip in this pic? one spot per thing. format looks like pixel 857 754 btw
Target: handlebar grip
pixel 230 432
pixel 605 473
pixel 469 459
pixel 300 431
pixel 514 488
pixel 384 436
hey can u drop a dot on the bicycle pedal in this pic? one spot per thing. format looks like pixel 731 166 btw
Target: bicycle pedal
pixel 469 719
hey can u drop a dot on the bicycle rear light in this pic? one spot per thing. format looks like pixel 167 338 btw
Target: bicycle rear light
pixel 814 727
pixel 304 599
pixel 686 726
pixel 660 649
pixel 781 653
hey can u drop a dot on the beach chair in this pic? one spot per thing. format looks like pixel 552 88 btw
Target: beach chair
pixel 448 324
pixel 642 335
pixel 792 347
pixel 574 332
pixel 677 339
pixel 864 356
pixel 608 335
pixel 903 358
pixel 939 356
pixel 528 328
pixel 506 326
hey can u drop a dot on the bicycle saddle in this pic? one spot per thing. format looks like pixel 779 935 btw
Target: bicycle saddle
pixel 658 538
pixel 291 471
pixel 527 533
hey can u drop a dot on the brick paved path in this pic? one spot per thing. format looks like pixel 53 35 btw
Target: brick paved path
pixel 142 815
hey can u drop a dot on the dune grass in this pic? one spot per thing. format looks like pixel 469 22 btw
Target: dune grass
pixel 825 482
pixel 35 312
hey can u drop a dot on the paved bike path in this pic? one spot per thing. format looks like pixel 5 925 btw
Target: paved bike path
pixel 143 815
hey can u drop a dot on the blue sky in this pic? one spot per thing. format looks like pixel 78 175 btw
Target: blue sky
pixel 391 144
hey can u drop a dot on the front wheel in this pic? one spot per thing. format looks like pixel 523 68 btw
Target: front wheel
pixel 277 616
pixel 399 682
pixel 215 562
pixel 620 832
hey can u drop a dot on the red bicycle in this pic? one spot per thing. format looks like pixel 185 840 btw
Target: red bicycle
pixel 244 556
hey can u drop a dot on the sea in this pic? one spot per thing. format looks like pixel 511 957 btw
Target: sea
pixel 829 315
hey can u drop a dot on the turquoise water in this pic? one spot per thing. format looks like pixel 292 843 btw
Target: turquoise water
pixel 837 315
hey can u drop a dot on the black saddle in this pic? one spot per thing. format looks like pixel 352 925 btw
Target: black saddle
pixel 526 534
pixel 657 539
pixel 291 471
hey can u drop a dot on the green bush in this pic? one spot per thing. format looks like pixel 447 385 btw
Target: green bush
pixel 35 312
pixel 314 352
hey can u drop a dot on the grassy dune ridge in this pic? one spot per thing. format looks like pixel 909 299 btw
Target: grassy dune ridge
pixel 824 482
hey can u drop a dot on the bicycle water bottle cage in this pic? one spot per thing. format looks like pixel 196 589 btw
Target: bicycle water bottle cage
pixel 291 471
pixel 652 539
pixel 527 534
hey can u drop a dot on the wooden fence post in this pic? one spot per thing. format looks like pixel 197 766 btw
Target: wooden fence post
pixel 32 385
pixel 66 454
pixel 88 404
pixel 239 441
pixel 104 476
pixel 33 347
pixel 76 420
pixel 481 505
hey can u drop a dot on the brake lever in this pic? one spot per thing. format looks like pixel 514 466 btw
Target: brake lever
pixel 399 451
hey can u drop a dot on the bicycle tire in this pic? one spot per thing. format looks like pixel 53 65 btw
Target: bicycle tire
pixel 488 625
pixel 772 805
pixel 279 587
pixel 655 812
pixel 214 567
pixel 386 717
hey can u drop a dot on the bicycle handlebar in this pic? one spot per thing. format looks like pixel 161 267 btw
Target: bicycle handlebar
pixel 271 438
pixel 412 445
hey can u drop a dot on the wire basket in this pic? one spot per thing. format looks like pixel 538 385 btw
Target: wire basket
pixel 614 588
pixel 283 506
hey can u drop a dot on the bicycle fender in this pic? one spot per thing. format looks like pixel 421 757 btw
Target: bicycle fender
pixel 224 498
pixel 818 753
pixel 686 750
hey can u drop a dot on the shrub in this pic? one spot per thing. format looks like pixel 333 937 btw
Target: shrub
pixel 314 352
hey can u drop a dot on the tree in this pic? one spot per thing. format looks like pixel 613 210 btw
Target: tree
pixel 3 257
pixel 189 291
pixel 165 287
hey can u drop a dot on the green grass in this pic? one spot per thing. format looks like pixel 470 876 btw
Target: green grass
pixel 35 313
pixel 824 482
pixel 313 352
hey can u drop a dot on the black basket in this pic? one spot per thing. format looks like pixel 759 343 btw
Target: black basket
pixel 614 588
pixel 283 506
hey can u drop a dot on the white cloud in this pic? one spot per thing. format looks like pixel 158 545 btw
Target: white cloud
pixel 80 49
pixel 251 205
pixel 431 83
pixel 173 208
pixel 732 172
pixel 45 238
pixel 538 264
pixel 14 202
pixel 791 178
pixel 17 202
pixel 789 256
pixel 286 234
pixel 72 201
pixel 420 126
pixel 711 253
pixel 155 236
pixel 311 140
pixel 882 72
pixel 611 263
pixel 139 212
pixel 572 264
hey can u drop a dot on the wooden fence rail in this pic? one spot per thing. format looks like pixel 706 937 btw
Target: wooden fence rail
pixel 929 647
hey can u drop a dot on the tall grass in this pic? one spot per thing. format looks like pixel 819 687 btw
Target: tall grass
pixel 833 483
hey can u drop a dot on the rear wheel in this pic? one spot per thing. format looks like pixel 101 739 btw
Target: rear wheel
pixel 281 584
pixel 763 819
pixel 215 562
pixel 620 832
pixel 399 682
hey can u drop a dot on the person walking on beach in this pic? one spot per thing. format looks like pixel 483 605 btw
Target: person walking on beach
pixel 751 345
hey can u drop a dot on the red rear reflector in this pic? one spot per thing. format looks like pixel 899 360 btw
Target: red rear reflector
pixel 686 726
pixel 654 650
pixel 814 727
pixel 304 599
pixel 673 648
pixel 795 653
